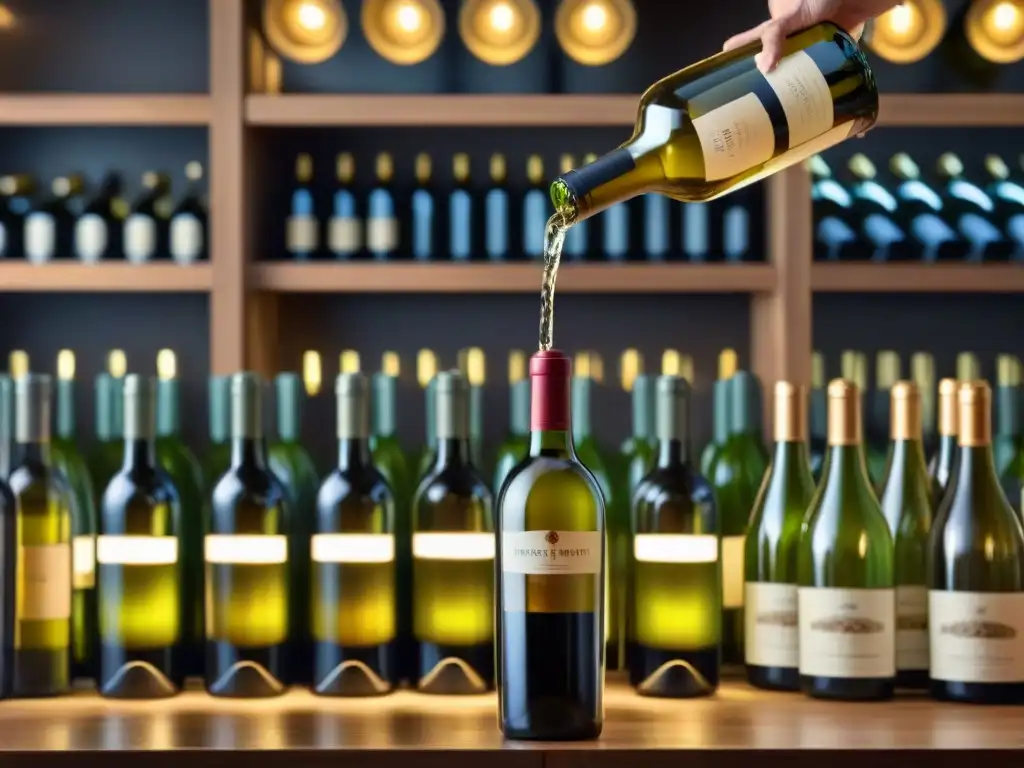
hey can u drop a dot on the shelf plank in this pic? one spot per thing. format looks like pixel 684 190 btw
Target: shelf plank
pixel 513 278
pixel 104 278
pixel 951 109
pixel 89 109
pixel 917 278
pixel 441 110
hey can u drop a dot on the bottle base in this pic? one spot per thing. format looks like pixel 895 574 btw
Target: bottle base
pixel 674 674
pixel 455 670
pixel 977 693
pixel 138 673
pixel 774 678
pixel 245 673
pixel 574 732
pixel 848 688
pixel 354 672
pixel 39 674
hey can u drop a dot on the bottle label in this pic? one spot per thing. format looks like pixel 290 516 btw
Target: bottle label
pixel 139 237
pixel 83 562
pixel 772 638
pixel 44 582
pixel 90 238
pixel 732 571
pixel 186 238
pixel 301 234
pixel 739 134
pixel 136 550
pixel 246 549
pixel 352 548
pixel 544 553
pixel 453 545
pixel 911 627
pixel 976 637
pixel 344 235
pixel 847 632
pixel 382 235
pixel 40 237
pixel 3 240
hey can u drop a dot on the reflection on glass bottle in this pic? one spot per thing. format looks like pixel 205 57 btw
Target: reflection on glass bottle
pixel 15 202
pixel 426 240
pixel 877 211
pixel 835 224
pixel 99 229
pixel 460 211
pixel 496 211
pixel 50 224
pixel 921 212
pixel 576 241
pixel 381 221
pixel 536 208
pixel 1008 197
pixel 302 230
pixel 187 232
pixel 971 210
pixel 345 227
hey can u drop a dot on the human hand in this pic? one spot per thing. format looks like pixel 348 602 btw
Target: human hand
pixel 789 16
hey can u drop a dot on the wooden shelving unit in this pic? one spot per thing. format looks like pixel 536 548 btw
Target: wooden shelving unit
pixel 243 294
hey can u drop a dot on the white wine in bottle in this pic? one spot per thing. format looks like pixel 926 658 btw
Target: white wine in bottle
pixel 721 124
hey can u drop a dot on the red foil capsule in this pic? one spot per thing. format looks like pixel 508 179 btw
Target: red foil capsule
pixel 550 374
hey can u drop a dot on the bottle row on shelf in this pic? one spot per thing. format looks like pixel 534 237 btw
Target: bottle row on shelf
pixel 71 222
pixel 907 215
pixel 464 220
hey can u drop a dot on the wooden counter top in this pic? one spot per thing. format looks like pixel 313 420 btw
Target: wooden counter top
pixel 299 730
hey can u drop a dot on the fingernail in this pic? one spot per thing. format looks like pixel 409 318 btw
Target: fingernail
pixel 760 60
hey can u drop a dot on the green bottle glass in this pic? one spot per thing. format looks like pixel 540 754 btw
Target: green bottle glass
pixel 922 373
pixel 719 427
pixel 218 453
pixel 976 573
pixel 616 524
pixel 846 596
pixel 907 505
pixel 887 373
pixel 428 452
pixel 943 463
pixel 638 450
pixel 68 460
pixel 517 441
pixel 293 467
pixel 818 416
pixel 390 460
pixel 1006 448
pixel 6 425
pixel 181 465
pixel 771 649
pixel 473 365
pixel 105 459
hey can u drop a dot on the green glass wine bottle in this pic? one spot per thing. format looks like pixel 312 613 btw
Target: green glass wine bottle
pixel 887 373
pixel 907 505
pixel 1006 448
pixel 426 370
pixel 846 596
pixel 218 453
pixel 517 441
pixel 181 465
pixel 976 573
pixel 719 412
pixel 68 460
pixel 638 450
pixel 473 365
pixel 771 647
pixel 943 462
pixel 818 416
pixel 105 459
pixel 922 373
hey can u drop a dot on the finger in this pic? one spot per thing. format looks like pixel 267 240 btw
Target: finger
pixel 750 36
pixel 771 45
pixel 857 32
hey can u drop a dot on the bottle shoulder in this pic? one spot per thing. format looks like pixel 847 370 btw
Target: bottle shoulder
pixel 551 492
pixel 31 478
pixel 359 486
pixel 149 486
pixel 459 480
pixel 256 486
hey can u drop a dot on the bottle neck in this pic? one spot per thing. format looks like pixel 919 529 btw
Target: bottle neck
pixel 845 462
pixel 248 451
pixel 551 443
pixel 673 453
pixel 451 451
pixel 908 454
pixel 65 426
pixel 37 453
pixel 384 405
pixel 947 449
pixel 139 453
pixel 610 179
pixel 168 419
pixel 519 408
pixel 581 391
pixel 977 466
pixel 1007 411
pixel 353 452
pixel 287 388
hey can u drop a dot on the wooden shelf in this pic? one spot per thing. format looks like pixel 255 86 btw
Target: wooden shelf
pixel 128 109
pixel 513 278
pixel 917 278
pixel 951 109
pixel 104 278
pixel 441 110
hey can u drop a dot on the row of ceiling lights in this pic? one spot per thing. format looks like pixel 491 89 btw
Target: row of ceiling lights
pixel 913 29
pixel 498 32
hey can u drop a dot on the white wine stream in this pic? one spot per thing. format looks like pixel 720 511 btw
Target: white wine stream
pixel 554 239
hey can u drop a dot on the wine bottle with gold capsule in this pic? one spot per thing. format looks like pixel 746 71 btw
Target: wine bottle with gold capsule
pixel 345 226
pixel 817 416
pixel 382 227
pixel 497 235
pixel 942 465
pixel 846 595
pixel 536 208
pixel 462 224
pixel 976 573
pixel 302 228
pixel 771 639
pixel 906 500
pixel 967 367
pixel 1006 448
pixel 577 240
pixel 426 241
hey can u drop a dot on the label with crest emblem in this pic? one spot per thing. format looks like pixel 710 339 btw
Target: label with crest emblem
pixel 551 552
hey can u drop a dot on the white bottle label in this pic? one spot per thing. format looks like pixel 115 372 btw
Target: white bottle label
pixel 345 235
pixel 139 238
pixel 911 627
pixel 772 638
pixel 136 550
pixel 245 549
pixel 675 548
pixel 976 637
pixel 847 632
pixel 739 135
pixel 40 237
pixel 453 545
pixel 83 562
pixel 45 579
pixel 352 548
pixel 186 238
pixel 90 238
pixel 301 234
pixel 732 571
pixel 381 234
pixel 551 552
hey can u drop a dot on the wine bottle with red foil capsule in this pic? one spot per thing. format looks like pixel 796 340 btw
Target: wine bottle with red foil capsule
pixel 551 576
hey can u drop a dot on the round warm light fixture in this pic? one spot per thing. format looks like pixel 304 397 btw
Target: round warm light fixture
pixel 306 31
pixel 908 32
pixel 595 32
pixel 995 29
pixel 403 31
pixel 499 32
